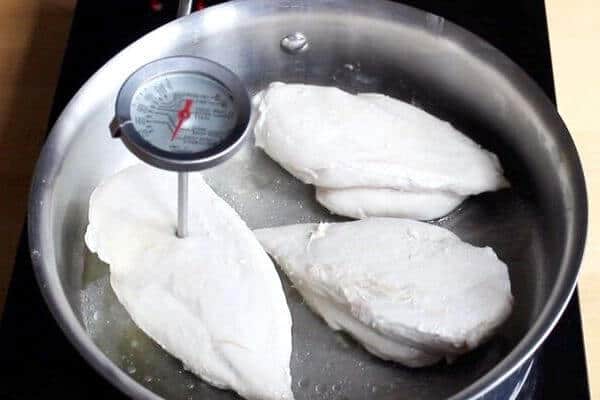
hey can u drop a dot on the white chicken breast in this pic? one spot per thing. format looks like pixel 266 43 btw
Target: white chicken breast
pixel 380 202
pixel 212 299
pixel 336 140
pixel 408 291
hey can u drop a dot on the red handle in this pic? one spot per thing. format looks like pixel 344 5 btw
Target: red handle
pixel 200 4
pixel 157 5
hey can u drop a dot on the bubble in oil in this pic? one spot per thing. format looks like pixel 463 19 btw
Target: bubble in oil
pixel 320 388
pixel 191 386
pixel 303 383
pixel 336 388
pixel 148 379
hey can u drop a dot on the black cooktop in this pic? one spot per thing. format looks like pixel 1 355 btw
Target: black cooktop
pixel 36 360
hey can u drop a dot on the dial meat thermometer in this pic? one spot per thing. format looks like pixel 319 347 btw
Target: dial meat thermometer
pixel 182 114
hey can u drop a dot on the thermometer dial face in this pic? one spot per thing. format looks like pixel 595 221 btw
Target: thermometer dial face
pixel 183 112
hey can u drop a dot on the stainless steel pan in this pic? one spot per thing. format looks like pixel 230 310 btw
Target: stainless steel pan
pixel 537 227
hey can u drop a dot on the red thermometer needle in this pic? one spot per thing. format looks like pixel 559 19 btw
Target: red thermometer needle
pixel 182 116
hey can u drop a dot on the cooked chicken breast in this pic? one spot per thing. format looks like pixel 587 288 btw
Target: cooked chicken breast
pixel 408 291
pixel 380 202
pixel 212 299
pixel 336 140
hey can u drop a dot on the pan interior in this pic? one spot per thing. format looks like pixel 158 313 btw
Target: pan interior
pixel 403 53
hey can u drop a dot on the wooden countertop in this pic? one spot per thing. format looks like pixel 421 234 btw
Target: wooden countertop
pixel 574 28
pixel 33 34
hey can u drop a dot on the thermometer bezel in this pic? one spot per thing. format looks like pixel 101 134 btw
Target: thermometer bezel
pixel 122 125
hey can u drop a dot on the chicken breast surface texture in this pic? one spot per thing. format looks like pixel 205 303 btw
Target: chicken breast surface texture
pixel 335 140
pixel 212 299
pixel 364 202
pixel 407 290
